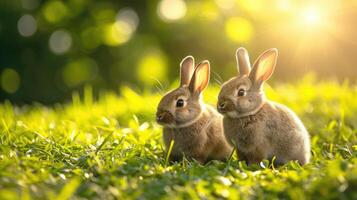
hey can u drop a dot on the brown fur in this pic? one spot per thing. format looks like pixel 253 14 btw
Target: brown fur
pixel 202 141
pixel 270 132
pixel 260 129
pixel 196 128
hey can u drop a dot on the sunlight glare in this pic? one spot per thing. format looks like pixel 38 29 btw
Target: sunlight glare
pixel 284 5
pixel 311 16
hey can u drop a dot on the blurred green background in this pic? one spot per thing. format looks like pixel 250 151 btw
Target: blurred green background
pixel 48 49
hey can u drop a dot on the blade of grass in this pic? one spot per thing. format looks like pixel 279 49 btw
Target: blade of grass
pixel 229 162
pixel 104 141
pixel 169 152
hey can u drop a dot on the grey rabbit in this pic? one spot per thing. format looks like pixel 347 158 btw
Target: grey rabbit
pixel 195 127
pixel 259 128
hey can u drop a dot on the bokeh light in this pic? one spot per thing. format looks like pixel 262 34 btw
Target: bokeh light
pixel 27 25
pixel 152 67
pixel 60 41
pixel 79 71
pixel 55 11
pixel 239 29
pixel 10 80
pixel 122 29
pixel 171 10
pixel 128 16
pixel 211 12
pixel 117 33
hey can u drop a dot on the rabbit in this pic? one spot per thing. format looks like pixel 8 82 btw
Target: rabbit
pixel 258 128
pixel 195 127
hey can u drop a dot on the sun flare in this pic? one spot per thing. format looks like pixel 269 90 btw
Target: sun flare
pixel 311 16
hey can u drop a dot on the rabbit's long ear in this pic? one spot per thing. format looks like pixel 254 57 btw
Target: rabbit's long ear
pixel 187 68
pixel 264 67
pixel 243 64
pixel 200 77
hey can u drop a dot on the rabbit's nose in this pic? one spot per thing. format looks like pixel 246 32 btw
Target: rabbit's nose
pixel 160 117
pixel 164 117
pixel 222 105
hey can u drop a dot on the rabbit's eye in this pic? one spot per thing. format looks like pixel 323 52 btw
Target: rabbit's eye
pixel 241 92
pixel 180 103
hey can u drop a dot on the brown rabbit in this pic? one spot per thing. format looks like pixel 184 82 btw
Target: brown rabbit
pixel 196 128
pixel 260 129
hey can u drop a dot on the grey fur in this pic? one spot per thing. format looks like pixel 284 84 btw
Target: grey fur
pixel 259 128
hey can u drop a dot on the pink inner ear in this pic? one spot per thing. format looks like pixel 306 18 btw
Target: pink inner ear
pixel 266 67
pixel 201 79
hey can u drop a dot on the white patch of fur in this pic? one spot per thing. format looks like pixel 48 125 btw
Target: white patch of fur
pixel 232 114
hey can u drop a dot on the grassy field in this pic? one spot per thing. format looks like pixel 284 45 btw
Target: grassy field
pixel 111 148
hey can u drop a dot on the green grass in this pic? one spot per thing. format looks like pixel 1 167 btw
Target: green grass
pixel 112 149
